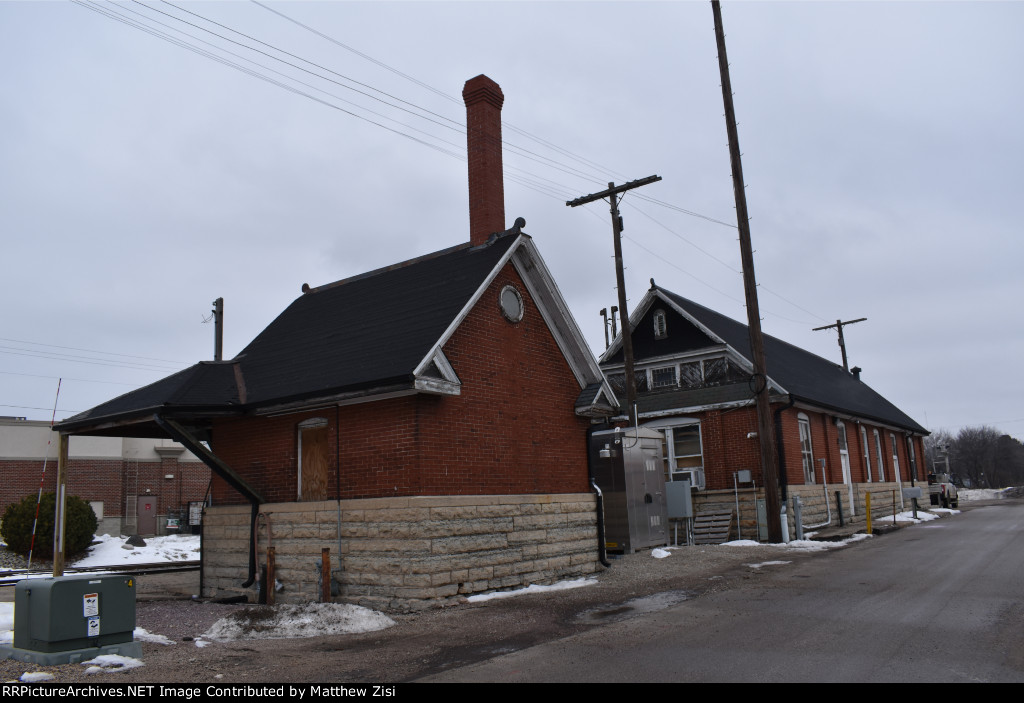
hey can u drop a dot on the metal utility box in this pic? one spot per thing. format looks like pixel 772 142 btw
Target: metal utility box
pixel 629 471
pixel 73 612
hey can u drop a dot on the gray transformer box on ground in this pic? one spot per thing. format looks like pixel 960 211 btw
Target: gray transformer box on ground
pixel 73 612
pixel 629 471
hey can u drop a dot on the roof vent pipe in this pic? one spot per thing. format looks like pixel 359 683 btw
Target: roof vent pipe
pixel 856 372
pixel 483 98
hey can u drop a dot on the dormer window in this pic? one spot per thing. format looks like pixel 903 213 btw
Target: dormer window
pixel 660 326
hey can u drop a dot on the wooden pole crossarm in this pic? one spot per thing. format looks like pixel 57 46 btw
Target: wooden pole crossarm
pixel 612 191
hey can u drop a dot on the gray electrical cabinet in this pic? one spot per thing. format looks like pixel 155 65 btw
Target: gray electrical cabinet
pixel 74 616
pixel 629 471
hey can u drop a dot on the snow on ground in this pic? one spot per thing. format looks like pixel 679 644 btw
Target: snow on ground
pixel 286 621
pixel 111 551
pixel 767 563
pixel 111 662
pixel 981 493
pixel 560 586
pixel 141 634
pixel 802 545
pixel 36 677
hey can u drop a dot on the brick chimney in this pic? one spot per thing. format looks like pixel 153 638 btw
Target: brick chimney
pixel 483 100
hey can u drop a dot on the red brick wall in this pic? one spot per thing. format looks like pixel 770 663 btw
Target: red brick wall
pixel 727 448
pixel 512 430
pixel 105 479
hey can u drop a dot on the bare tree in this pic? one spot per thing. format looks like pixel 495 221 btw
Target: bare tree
pixel 974 456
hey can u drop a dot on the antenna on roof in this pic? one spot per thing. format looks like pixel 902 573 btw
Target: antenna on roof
pixel 842 343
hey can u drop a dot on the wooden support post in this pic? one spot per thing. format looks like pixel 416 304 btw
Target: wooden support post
pixel 867 509
pixel 58 507
pixel 325 575
pixel 270 576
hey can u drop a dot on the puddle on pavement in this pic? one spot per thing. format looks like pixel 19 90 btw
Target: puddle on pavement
pixel 634 607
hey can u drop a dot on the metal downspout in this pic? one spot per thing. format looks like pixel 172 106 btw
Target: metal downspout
pixel 179 434
pixel 602 555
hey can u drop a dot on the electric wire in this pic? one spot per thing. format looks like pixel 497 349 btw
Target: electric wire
pixel 555 190
pixel 91 351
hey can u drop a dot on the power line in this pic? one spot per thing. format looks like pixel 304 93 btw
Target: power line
pixel 81 380
pixel 92 351
pixel 529 180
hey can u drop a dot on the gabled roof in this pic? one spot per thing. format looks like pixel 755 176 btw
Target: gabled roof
pixel 375 334
pixel 792 371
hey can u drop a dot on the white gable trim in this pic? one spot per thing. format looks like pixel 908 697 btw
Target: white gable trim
pixel 549 301
pixel 648 302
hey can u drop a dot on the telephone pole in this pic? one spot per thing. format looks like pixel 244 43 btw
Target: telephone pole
pixel 627 336
pixel 842 343
pixel 765 429
pixel 218 329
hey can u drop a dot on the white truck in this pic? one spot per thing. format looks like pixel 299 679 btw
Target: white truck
pixel 942 491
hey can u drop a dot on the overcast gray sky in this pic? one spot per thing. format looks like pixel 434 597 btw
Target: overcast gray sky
pixel 881 143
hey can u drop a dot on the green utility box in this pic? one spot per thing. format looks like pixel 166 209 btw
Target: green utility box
pixel 67 617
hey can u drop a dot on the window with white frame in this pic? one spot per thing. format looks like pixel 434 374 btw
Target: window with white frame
pixel 911 455
pixel 867 452
pixel 806 452
pixel 895 456
pixel 713 371
pixel 844 451
pixel 682 455
pixel 660 325
pixel 878 455
pixel 663 377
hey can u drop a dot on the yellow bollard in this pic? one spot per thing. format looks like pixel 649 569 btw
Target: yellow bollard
pixel 867 509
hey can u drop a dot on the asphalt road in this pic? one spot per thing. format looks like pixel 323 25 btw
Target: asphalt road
pixel 938 602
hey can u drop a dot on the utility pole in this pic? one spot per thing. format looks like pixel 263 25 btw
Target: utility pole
pixel 218 329
pixel 765 430
pixel 627 337
pixel 842 343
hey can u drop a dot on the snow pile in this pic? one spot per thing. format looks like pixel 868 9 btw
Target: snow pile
pixel 285 621
pixel 35 677
pixel 111 662
pixel 560 586
pixel 141 634
pixel 110 551
pixel 804 545
pixel 767 563
pixel 6 623
pixel 982 493
pixel 908 516
pixel 660 553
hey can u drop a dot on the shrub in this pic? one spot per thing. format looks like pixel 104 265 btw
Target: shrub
pixel 79 526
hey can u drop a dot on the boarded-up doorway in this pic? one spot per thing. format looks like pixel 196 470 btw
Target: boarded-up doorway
pixel 313 459
pixel 146 513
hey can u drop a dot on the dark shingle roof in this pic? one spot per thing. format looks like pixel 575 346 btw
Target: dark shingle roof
pixel 804 375
pixel 359 333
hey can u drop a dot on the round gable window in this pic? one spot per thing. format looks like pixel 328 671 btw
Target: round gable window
pixel 511 304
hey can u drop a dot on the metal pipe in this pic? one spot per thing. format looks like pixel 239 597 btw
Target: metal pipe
pixel 602 554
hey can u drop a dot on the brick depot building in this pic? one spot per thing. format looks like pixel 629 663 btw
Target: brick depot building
pixel 835 434
pixel 427 422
